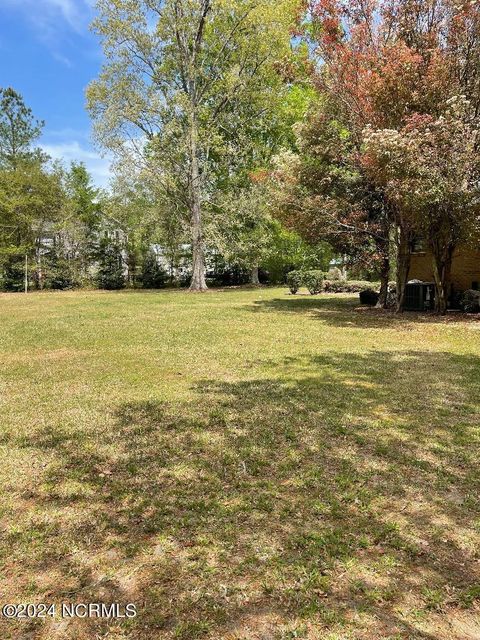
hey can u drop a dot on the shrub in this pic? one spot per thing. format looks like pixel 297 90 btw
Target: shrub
pixel 369 297
pixel 350 286
pixel 456 300
pixel 153 275
pixel 294 281
pixel 470 301
pixel 313 280
pixel 334 274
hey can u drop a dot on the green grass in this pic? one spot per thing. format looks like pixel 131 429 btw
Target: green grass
pixel 242 465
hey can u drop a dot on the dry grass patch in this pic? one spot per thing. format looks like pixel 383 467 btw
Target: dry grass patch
pixel 241 465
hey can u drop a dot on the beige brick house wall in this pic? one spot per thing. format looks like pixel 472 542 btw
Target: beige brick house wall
pixel 465 268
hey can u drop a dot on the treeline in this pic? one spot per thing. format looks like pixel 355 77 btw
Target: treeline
pixel 255 138
pixel 58 231
pixel 388 155
pixel 355 122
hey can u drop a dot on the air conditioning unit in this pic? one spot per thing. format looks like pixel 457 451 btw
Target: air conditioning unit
pixel 419 296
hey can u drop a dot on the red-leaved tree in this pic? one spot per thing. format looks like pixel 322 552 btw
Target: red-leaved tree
pixel 382 63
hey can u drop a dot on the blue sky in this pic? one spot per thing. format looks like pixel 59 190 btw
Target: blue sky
pixel 48 54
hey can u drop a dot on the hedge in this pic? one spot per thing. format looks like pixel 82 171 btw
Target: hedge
pixel 349 286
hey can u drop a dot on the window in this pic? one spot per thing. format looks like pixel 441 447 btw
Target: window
pixel 418 244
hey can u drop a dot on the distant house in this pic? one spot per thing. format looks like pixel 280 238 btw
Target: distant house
pixel 465 267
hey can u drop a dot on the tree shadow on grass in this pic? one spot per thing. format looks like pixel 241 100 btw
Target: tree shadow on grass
pixel 338 497
pixel 346 311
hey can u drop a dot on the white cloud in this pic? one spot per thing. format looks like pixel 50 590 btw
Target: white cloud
pixel 45 13
pixel 71 151
pixel 52 20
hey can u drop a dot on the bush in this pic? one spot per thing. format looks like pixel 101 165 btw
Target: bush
pixel 313 280
pixel 350 286
pixel 369 297
pixel 111 273
pixel 294 281
pixel 315 283
pixel 153 275
pixel 470 301
pixel 334 274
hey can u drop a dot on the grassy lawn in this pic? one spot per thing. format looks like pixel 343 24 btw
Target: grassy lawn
pixel 241 464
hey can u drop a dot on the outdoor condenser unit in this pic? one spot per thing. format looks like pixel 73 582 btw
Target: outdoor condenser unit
pixel 420 296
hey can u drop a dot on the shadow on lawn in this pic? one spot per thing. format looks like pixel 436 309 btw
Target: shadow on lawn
pixel 335 496
pixel 337 311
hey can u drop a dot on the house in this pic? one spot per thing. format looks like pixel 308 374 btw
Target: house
pixel 465 267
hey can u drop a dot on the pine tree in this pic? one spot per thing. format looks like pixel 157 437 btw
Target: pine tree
pixel 111 273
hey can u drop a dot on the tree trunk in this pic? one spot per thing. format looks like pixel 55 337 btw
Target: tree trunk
pixel 39 267
pixel 384 279
pixel 254 276
pixel 198 282
pixel 344 268
pixel 403 265
pixel 442 267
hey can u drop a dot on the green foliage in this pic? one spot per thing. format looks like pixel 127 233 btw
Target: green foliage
pixel 31 201
pixel 59 269
pixel 111 269
pixel 14 273
pixel 83 196
pixel 221 273
pixel 294 281
pixel 322 193
pixel 153 274
pixel 313 280
pixel 349 286
pixel 470 301
pixel 18 130
pixel 288 251
pixel 204 100
pixel 334 274
pixel 241 227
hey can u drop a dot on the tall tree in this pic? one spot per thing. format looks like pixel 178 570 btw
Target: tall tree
pixel 82 217
pixel 18 130
pixel 384 61
pixel 243 227
pixel 431 167
pixel 324 193
pixel 182 80
pixel 31 203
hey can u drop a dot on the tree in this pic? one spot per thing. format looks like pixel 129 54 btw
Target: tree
pixel 148 218
pixel 59 266
pixel 183 81
pixel 323 193
pixel 431 168
pixel 153 274
pixel 18 130
pixel 243 227
pixel 111 274
pixel 384 62
pixel 80 224
pixel 31 204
